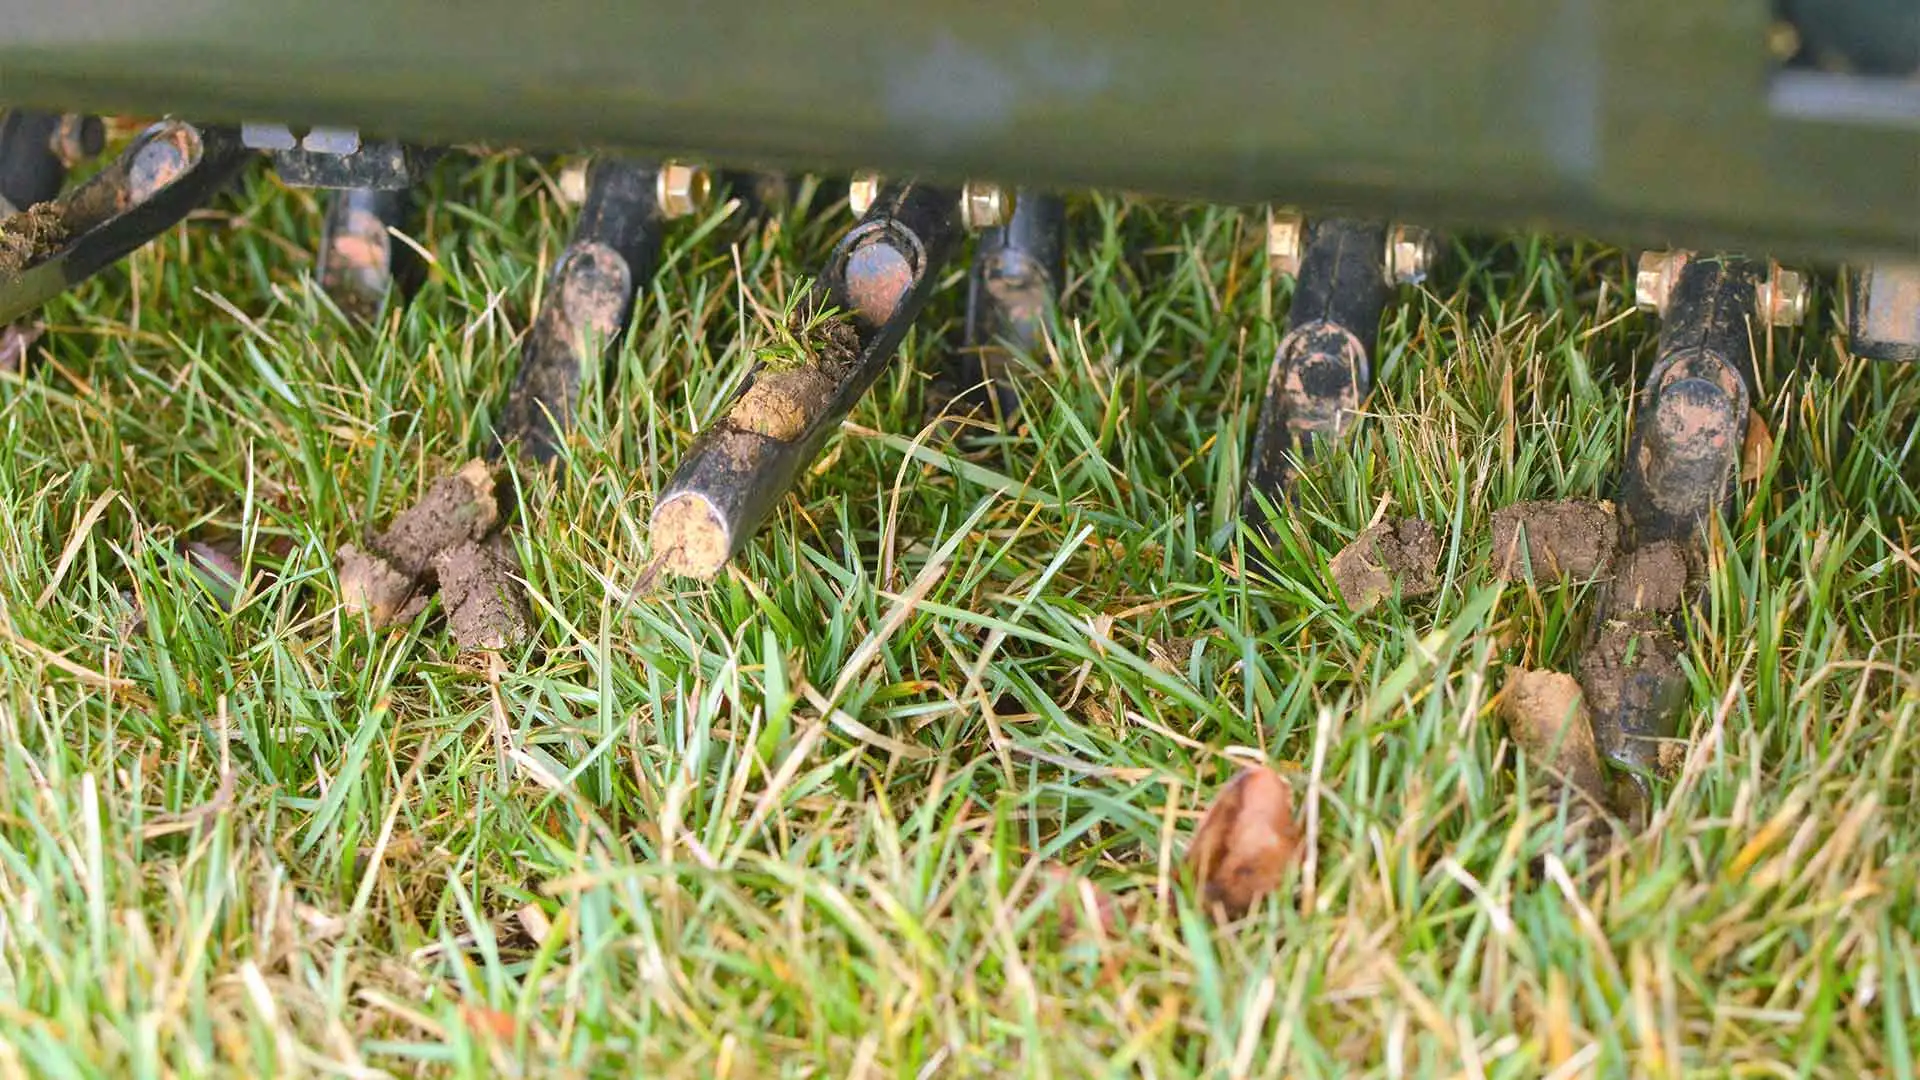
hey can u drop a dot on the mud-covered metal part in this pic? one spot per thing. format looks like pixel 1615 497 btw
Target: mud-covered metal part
pixel 36 149
pixel 166 173
pixel 360 263
pixel 1690 416
pixel 1682 470
pixel 329 157
pixel 586 305
pixel 876 280
pixel 1017 272
pixel 1324 365
pixel 1883 311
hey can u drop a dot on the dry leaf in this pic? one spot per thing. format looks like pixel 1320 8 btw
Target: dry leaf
pixel 1758 449
pixel 1245 842
pixel 488 1023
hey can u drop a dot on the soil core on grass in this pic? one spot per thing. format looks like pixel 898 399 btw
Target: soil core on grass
pixel 1398 553
pixel 1572 539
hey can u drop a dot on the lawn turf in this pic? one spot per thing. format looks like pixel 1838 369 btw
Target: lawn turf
pixel 796 822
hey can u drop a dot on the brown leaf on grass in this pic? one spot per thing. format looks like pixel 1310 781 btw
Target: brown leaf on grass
pixel 1758 448
pixel 1245 841
pixel 488 1023
pixel 15 340
pixel 217 568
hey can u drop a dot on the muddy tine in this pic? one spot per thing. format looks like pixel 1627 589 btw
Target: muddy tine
pixel 1017 272
pixel 360 262
pixel 1683 463
pixel 1323 368
pixel 166 173
pixel 877 279
pixel 588 300
pixel 37 149
pixel 1691 412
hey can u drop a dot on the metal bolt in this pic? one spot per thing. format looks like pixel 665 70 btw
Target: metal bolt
pixel 1782 298
pixel 862 191
pixel 1286 239
pixel 1654 279
pixel 680 189
pixel 1410 254
pixel 984 205
pixel 572 182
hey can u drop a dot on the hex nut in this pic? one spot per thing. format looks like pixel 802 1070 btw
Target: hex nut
pixel 1653 279
pixel 984 205
pixel 863 190
pixel 572 182
pixel 1286 239
pixel 1782 298
pixel 681 189
pixel 1409 255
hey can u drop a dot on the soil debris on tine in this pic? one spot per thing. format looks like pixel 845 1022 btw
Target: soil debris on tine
pixel 1634 684
pixel 1398 553
pixel 1245 842
pixel 29 236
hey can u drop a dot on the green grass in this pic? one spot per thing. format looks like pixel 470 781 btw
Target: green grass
pixel 795 822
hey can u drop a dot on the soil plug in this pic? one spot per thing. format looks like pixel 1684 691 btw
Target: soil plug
pixel 1398 553
pixel 1570 539
pixel 1548 720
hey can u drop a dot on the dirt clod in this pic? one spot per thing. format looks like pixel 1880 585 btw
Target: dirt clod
pixel 443 540
pixel 1652 578
pixel 481 594
pixel 1572 539
pixel 370 584
pixel 1548 720
pixel 1397 553
pixel 456 508
pixel 1245 842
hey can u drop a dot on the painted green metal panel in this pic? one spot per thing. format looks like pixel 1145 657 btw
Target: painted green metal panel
pixel 1647 120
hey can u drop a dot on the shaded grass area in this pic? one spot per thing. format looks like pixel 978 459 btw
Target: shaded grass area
pixel 795 822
